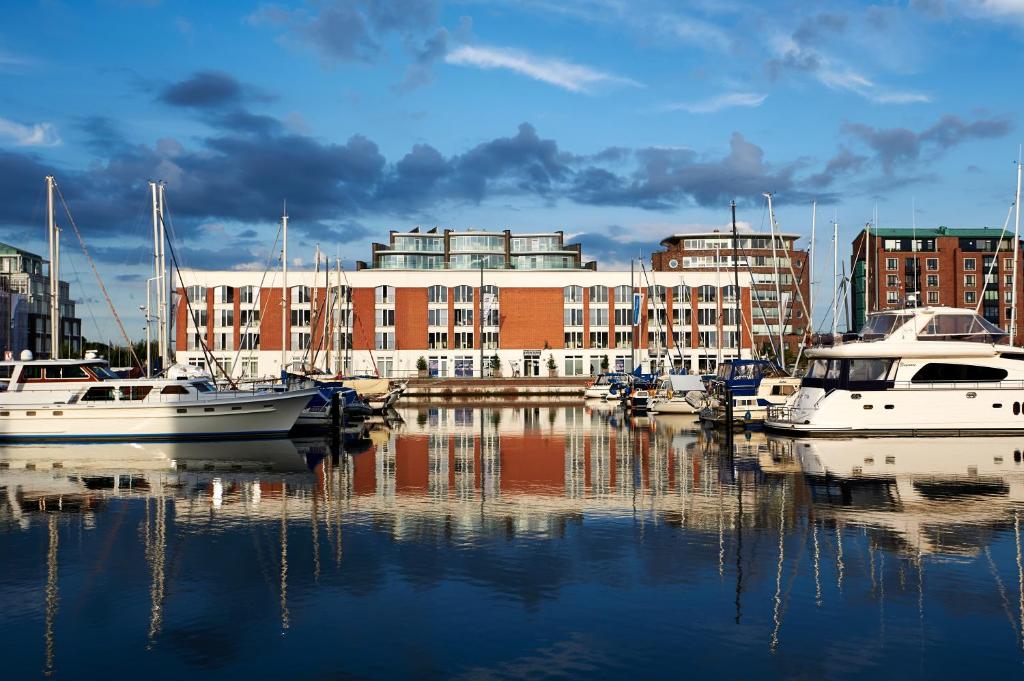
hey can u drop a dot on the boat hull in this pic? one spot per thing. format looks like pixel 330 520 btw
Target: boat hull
pixel 262 415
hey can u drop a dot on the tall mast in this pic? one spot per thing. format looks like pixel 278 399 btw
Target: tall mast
pixel 340 299
pixel 156 271
pixel 736 281
pixel 284 290
pixel 314 309
pixel 54 244
pixel 718 287
pixel 162 296
pixel 867 270
pixel 835 277
pixel 810 269
pixel 1016 256
pixel 632 313
pixel 778 287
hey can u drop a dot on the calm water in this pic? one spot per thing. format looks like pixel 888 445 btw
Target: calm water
pixel 512 543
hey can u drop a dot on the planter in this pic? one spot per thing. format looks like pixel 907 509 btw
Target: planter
pixel 552 373
pixel 422 373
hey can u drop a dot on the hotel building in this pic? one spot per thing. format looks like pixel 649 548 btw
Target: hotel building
pixel 383 319
pixel 957 267
pixel 25 306
pixel 781 282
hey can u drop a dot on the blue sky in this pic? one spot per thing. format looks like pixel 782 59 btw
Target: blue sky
pixel 619 122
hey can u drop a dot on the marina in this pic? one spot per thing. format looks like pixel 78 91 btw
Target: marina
pixel 581 541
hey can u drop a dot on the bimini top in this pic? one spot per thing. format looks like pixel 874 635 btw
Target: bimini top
pixel 931 324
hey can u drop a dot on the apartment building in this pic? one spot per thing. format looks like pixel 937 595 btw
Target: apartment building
pixel 383 320
pixel 25 311
pixel 780 278
pixel 466 250
pixel 958 267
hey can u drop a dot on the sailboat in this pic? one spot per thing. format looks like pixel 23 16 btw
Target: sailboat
pixel 83 399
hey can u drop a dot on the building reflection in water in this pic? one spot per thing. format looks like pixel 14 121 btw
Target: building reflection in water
pixel 463 476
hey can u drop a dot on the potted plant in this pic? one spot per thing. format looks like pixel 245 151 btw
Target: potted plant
pixel 421 367
pixel 495 366
pixel 552 367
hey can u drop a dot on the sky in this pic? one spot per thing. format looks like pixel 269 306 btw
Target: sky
pixel 619 122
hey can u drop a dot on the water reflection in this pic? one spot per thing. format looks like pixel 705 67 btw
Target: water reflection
pixel 555 526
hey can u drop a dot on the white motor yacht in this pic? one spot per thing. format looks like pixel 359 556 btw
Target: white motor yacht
pixel 82 399
pixel 678 394
pixel 936 370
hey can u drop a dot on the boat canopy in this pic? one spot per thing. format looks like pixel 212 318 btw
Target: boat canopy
pixel 931 324
pixel 682 383
pixel 961 327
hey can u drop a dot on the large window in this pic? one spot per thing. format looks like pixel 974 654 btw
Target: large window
pixel 300 294
pixel 940 372
pixel 572 294
pixel 706 294
pixel 463 294
pixel 437 294
pixel 598 294
pixel 384 294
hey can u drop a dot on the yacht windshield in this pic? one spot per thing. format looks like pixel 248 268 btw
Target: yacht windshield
pixel 881 325
pixel 102 372
pixel 204 386
pixel 961 327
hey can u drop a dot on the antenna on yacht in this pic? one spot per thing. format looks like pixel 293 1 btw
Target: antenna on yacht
pixel 53 236
pixel 1016 255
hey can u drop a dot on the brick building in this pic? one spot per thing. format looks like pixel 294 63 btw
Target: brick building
pixel 386 319
pixel 958 267
pixel 711 254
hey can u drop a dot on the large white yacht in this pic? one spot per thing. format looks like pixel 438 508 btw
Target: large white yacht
pixel 82 399
pixel 933 370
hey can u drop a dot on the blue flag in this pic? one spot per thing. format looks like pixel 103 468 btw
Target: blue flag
pixel 636 309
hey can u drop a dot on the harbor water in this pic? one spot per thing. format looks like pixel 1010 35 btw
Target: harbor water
pixel 514 542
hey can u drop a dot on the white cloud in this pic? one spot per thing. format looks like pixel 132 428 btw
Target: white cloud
pixel 37 135
pixel 557 72
pixel 724 101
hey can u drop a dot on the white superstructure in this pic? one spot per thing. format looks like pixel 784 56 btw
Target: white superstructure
pixel 917 371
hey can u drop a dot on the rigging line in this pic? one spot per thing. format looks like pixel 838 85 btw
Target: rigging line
pixel 207 353
pixel 99 280
pixel 764 317
pixel 995 257
pixel 252 306
pixel 88 305
pixel 351 311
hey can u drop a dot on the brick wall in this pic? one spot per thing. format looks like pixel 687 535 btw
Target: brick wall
pixel 531 317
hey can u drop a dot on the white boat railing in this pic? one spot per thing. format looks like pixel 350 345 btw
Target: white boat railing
pixel 22 399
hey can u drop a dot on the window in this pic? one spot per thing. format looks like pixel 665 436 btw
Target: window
pixel 248 317
pixel 933 297
pixel 135 392
pixel 1008 264
pixel 248 295
pixel 623 295
pixel 223 294
pixel 931 281
pixel 463 340
pixel 463 294
pixel 970 297
pixel 598 294
pixel 707 317
pixel 891 264
pixel 70 371
pixel 437 340
pixel 384 294
pixel 463 367
pixel 938 372
pixel 437 294
pixel 250 341
pixel 573 365
pixel 599 316
pixel 1009 313
pixel 931 264
pixel 598 339
pixel 623 317
pixel 174 390
pixel 892 280
pixel 729 292
pixel 706 294
pixel 300 295
pixel 226 318
pixel 300 340
pixel 196 294
pixel 383 340
pixel 572 294
pixel 1007 296
pixel 489 339
pixel 572 316
pixel 463 317
pixel 574 339
pixel 623 339
pixel 970 264
pixel 1008 280
pixel 970 280
pixel 437 317
pixel 708 339
pixel 199 317
pixel 892 297
pixel 300 317
pixel 384 317
pixel 681 294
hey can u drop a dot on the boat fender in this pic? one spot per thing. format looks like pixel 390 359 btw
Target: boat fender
pixel 669 393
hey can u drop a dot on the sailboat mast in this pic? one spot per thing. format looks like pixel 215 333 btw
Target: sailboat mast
pixel 778 287
pixel 156 273
pixel 284 290
pixel 867 270
pixel 54 245
pixel 1016 256
pixel 164 300
pixel 835 277
pixel 718 287
pixel 810 268
pixel 736 281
